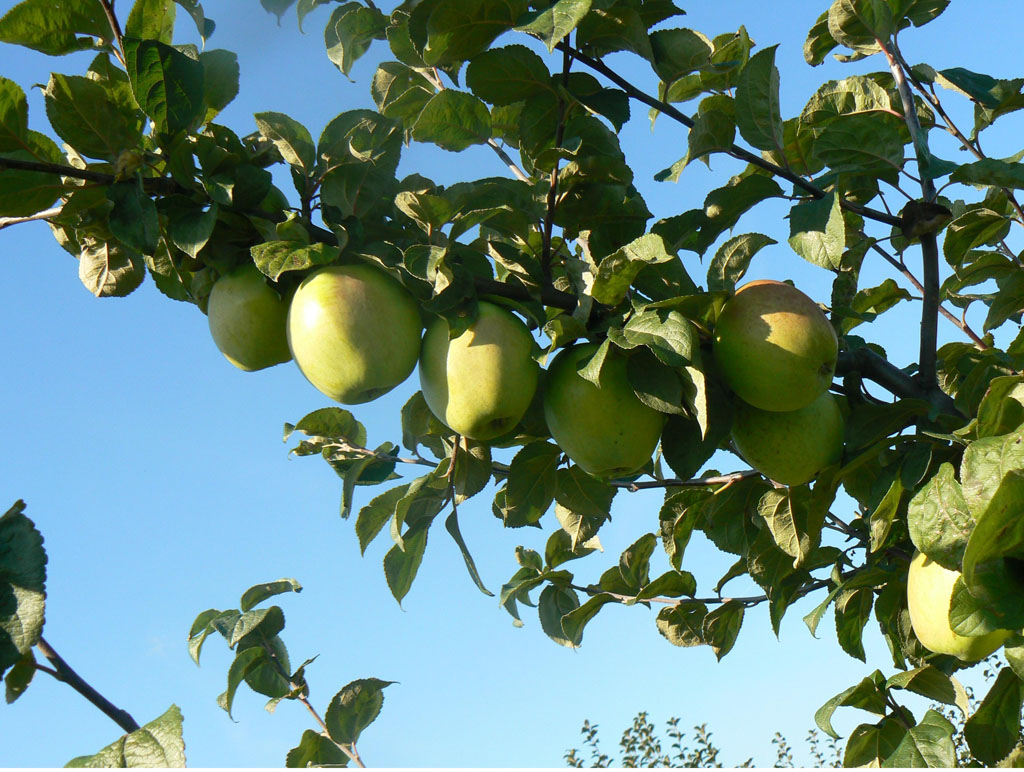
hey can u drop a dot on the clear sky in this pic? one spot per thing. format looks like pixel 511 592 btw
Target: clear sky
pixel 156 473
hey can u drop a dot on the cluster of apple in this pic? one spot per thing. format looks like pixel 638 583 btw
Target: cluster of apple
pixel 355 333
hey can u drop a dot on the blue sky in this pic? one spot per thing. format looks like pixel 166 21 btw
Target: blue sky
pixel 156 473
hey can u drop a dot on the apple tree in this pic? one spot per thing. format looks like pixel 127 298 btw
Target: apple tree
pixel 576 347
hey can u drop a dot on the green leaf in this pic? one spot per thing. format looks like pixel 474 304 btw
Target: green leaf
pixel 23 193
pixel 984 465
pixel 683 623
pixel 574 622
pixel 938 519
pixel 679 515
pixel 167 84
pixel 869 303
pixel 871 744
pixel 929 744
pixel 714 130
pixel 859 24
pixel 400 91
pixel 22 585
pixel 932 683
pixel 861 143
pixel 506 75
pixel 868 695
pixel 818 233
pixel 758 115
pixel 401 565
pixel 616 271
pixel 671 584
pixel 151 19
pixel 813 618
pixel 836 98
pixel 194 9
pixel 733 258
pixel 19 677
pixel 635 562
pixel 261 592
pixel 678 52
pixel 315 750
pixel 853 609
pixel 134 219
pixel 375 515
pixel 668 334
pixel 994 551
pixel 13 115
pixel 83 115
pixel 354 708
pixel 721 627
pixel 267 622
pixel 451 525
pixel 189 226
pixel 157 744
pixel 552 24
pixel 578 492
pixel 274 258
pixel 1002 408
pixel 990 172
pixel 54 29
pixel 350 31
pixel 554 603
pixel 458 30
pixel 532 478
pixel 972 229
pixel 220 80
pixel 453 120
pixel 793 522
pixel 290 137
pixel 880 522
pixel 819 42
pixel 108 269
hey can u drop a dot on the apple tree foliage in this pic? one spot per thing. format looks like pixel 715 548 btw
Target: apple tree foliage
pixel 144 182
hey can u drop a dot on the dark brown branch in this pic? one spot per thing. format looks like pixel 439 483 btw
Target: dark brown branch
pixel 115 28
pixel 929 241
pixel 62 671
pixel 870 365
pixel 160 185
pixel 735 151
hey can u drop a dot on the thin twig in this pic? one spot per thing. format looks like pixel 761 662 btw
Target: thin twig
pixel 734 150
pixel 46 214
pixel 906 272
pixel 62 671
pixel 115 28
pixel 552 197
pixel 435 78
pixel 348 750
pixel 725 479
pixel 163 185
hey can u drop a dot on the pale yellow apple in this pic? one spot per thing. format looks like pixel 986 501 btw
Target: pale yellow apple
pixel 774 347
pixel 354 332
pixel 481 382
pixel 929 593
pixel 607 431
pixel 791 447
pixel 247 320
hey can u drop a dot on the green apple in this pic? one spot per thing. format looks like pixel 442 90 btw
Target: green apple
pixel 774 347
pixel 480 382
pixel 607 431
pixel 792 447
pixel 354 332
pixel 929 593
pixel 247 320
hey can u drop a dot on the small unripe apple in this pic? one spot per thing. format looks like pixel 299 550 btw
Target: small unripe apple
pixel 607 431
pixel 480 382
pixel 354 332
pixel 929 593
pixel 791 447
pixel 247 320
pixel 774 347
